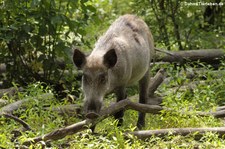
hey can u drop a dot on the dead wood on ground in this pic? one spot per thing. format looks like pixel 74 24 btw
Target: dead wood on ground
pixel 127 104
pixel 156 81
pixel 210 56
pixel 16 105
pixel 106 112
pixel 3 102
pixel 23 123
pixel 216 114
pixel 199 132
pixel 10 91
pixel 70 110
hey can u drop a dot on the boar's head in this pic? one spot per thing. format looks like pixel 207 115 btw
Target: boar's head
pixel 95 79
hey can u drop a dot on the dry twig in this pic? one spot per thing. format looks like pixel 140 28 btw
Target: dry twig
pixel 25 125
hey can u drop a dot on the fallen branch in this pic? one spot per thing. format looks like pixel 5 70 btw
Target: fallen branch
pixel 75 110
pixel 13 106
pixel 156 81
pixel 155 100
pixel 25 125
pixel 10 91
pixel 3 102
pixel 144 134
pixel 60 133
pixel 210 56
pixel 220 108
pixel 124 104
pixel 106 112
pixel 71 110
pixel 216 114
pixel 112 109
pixel 16 105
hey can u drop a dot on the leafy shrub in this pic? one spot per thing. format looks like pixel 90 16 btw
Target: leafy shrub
pixel 36 35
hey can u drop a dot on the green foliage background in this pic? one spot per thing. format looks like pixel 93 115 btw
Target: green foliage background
pixel 36 36
pixel 36 42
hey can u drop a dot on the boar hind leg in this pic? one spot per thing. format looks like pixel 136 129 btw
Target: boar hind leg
pixel 120 95
pixel 143 97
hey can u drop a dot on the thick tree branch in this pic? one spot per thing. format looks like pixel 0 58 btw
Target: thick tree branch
pixel 16 105
pixel 124 104
pixel 10 91
pixel 220 108
pixel 106 112
pixel 216 114
pixel 144 134
pixel 210 56
pixel 156 81
pixel 61 132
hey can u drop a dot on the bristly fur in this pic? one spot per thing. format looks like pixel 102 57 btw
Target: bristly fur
pixel 121 57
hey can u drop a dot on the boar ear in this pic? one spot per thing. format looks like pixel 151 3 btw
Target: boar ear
pixel 79 58
pixel 110 58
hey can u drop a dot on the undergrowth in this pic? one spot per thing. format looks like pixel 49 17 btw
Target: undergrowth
pixel 207 94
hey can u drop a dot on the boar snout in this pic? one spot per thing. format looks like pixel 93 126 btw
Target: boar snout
pixel 92 108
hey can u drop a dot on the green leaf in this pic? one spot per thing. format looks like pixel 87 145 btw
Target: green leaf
pixel 56 20
pixel 43 30
pixel 91 8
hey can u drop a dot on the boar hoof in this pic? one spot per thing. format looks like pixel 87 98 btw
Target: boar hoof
pixel 92 115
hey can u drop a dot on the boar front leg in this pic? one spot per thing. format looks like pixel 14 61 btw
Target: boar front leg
pixel 120 95
pixel 143 97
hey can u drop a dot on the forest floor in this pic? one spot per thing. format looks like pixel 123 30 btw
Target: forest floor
pixel 187 92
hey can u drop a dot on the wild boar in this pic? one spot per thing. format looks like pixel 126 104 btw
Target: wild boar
pixel 120 58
